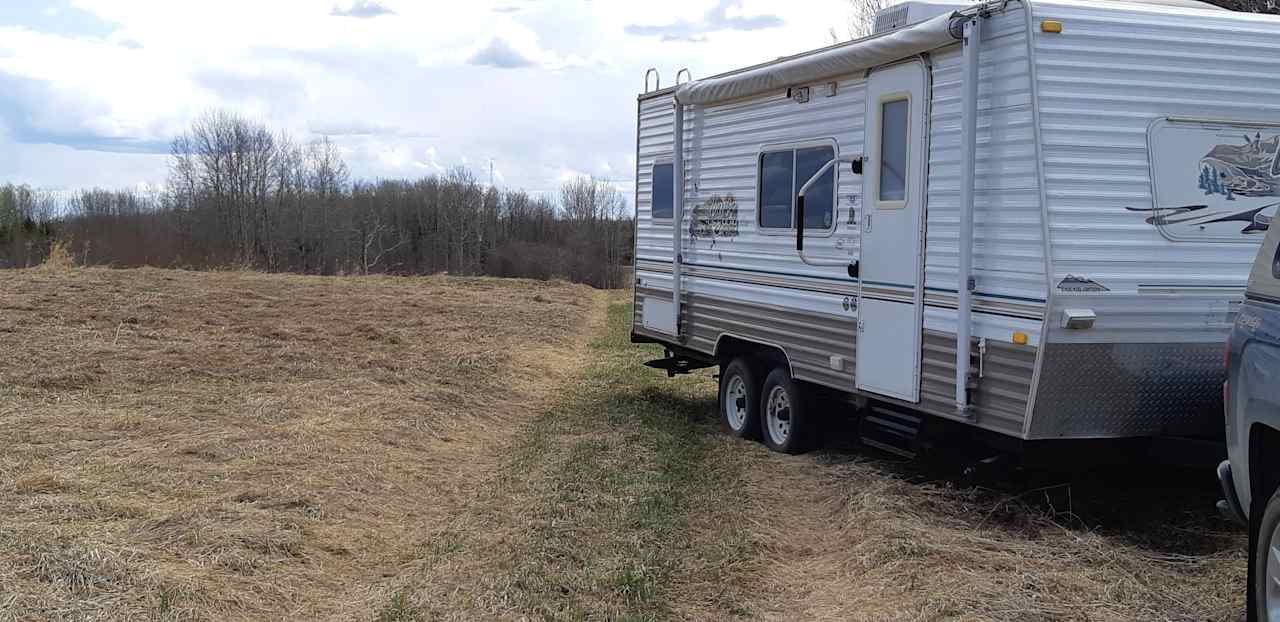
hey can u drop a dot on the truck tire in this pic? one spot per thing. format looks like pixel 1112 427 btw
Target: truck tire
pixel 788 423
pixel 740 400
pixel 1264 563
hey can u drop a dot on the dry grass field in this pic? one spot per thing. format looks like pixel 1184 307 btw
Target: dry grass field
pixel 239 446
pixel 246 446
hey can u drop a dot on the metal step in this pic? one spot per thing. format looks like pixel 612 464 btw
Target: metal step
pixel 890 431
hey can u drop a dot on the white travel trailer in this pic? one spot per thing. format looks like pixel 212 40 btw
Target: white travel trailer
pixel 1030 217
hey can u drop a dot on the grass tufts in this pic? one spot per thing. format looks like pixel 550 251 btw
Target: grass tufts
pixel 399 609
pixel 59 257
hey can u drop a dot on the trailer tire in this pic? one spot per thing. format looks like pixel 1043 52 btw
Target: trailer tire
pixel 787 421
pixel 739 401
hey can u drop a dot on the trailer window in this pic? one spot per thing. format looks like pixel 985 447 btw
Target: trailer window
pixel 782 173
pixel 663 195
pixel 819 202
pixel 776 182
pixel 893 150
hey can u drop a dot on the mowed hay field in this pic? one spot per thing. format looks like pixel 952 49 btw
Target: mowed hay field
pixel 247 446
pixel 239 446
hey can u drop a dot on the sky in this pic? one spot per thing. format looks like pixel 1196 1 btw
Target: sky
pixel 93 91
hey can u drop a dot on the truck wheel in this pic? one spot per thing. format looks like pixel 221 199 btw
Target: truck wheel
pixel 784 414
pixel 1264 566
pixel 740 400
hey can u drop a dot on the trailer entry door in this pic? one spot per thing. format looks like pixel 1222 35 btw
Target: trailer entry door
pixel 890 298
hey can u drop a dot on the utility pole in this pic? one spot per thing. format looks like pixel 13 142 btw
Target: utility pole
pixel 490 172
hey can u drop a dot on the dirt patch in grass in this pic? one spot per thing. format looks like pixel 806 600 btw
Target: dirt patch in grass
pixel 222 446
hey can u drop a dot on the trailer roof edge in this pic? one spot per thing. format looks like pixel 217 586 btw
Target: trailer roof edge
pixel 839 59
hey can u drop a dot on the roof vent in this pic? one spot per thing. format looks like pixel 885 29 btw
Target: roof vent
pixel 892 18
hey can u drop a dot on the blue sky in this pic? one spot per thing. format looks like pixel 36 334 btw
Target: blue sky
pixel 92 91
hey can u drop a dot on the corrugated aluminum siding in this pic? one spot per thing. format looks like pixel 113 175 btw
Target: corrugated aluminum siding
pixel 754 286
pixel 653 142
pixel 1114 70
pixel 1008 259
pixel 1001 397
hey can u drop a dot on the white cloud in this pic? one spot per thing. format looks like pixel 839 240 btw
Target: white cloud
pixel 725 15
pixel 498 53
pixel 430 162
pixel 362 9
pixel 416 89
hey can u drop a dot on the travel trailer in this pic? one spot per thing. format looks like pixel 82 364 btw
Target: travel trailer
pixel 1031 219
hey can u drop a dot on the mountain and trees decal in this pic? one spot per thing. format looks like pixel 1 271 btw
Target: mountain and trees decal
pixel 1233 189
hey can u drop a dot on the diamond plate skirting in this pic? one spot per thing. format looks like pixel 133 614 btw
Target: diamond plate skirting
pixel 1110 390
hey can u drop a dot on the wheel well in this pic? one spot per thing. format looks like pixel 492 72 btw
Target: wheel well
pixel 729 348
pixel 1264 476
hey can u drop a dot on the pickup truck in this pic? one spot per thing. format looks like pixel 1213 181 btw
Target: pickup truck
pixel 1250 477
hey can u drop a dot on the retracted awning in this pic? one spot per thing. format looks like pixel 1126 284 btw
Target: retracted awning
pixel 827 63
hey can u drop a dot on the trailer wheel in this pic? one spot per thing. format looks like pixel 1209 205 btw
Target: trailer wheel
pixel 740 400
pixel 784 414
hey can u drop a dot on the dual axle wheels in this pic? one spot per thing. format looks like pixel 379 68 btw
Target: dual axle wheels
pixel 774 409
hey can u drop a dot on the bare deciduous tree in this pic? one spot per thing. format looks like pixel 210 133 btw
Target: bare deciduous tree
pixel 1249 6
pixel 586 199
pixel 239 194
pixel 862 17
pixel 594 209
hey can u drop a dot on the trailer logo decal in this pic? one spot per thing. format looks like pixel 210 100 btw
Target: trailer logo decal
pixel 717 217
pixel 1075 283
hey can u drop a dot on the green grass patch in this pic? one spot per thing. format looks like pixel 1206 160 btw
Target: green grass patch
pixel 623 470
pixel 399 609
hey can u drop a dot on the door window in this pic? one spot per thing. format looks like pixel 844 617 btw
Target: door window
pixel 894 128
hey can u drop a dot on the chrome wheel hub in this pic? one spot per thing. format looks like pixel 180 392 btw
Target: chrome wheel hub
pixel 778 415
pixel 735 403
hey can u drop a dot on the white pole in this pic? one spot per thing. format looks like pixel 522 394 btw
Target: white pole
pixel 968 172
pixel 677 209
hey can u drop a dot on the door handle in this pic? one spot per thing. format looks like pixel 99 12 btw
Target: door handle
pixel 867 228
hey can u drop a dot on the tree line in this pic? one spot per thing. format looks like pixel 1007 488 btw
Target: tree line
pixel 240 195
